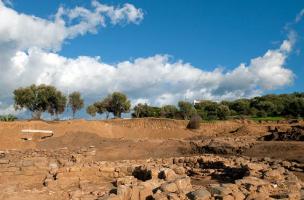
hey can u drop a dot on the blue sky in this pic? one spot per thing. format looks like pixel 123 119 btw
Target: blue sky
pixel 206 34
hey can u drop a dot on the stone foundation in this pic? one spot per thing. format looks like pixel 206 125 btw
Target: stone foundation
pixel 65 174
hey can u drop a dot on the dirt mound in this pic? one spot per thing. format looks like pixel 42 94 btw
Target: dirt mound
pixel 77 132
pixel 151 123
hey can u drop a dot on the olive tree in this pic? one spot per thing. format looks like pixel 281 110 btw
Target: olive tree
pixel 76 102
pixel 39 99
pixel 186 109
pixel 91 110
pixel 115 103
pixel 118 103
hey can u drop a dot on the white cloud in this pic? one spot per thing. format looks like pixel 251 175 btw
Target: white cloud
pixel 25 31
pixel 9 110
pixel 155 78
pixel 28 55
pixel 299 16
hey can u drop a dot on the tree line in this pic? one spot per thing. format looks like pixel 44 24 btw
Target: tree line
pixel 283 105
pixel 46 98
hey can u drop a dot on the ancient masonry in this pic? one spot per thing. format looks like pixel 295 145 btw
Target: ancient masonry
pixel 65 174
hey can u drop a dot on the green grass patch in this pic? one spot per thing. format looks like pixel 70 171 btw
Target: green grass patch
pixel 267 118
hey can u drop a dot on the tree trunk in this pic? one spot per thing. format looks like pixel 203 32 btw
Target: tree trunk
pixel 36 115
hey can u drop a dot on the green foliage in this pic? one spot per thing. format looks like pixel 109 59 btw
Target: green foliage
pixel 8 118
pixel 39 99
pixel 115 103
pixel 144 110
pixel 118 103
pixel 91 110
pixel 45 98
pixel 223 112
pixel 76 102
pixel 168 111
pixel 241 106
pixel 186 109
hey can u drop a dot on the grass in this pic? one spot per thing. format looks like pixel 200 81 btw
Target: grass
pixel 267 118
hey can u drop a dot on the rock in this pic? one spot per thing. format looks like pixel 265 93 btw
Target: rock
pixel 111 197
pixel 124 192
pixel 302 194
pixel 258 196
pixel 273 175
pixel 219 190
pixel 4 161
pixel 169 187
pixel 146 189
pixel 173 196
pixel 251 183
pixel 183 184
pixel 154 174
pixel 201 194
pixel 27 163
pixel 179 170
pixel 238 195
pixel 227 197
pixel 168 174
pixel 286 164
pixel 160 196
pixel 127 180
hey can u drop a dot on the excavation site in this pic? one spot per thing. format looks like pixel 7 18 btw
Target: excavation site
pixel 151 100
pixel 151 158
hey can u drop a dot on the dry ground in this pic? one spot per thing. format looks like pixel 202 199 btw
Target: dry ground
pixel 128 139
pixel 144 138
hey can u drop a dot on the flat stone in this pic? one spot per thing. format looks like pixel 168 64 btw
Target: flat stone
pixel 201 194
pixel 4 161
pixel 168 187
pixel 183 184
pixel 219 190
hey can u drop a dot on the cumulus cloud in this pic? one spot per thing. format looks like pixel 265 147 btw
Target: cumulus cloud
pixel 24 31
pixel 156 79
pixel 28 54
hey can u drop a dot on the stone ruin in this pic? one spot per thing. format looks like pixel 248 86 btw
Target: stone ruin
pixel 66 174
pixel 279 133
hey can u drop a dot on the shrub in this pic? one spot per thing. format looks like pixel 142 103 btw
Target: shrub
pixel 7 118
pixel 195 122
pixel 261 113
